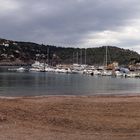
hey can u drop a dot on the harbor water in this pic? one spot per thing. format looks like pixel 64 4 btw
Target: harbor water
pixel 47 83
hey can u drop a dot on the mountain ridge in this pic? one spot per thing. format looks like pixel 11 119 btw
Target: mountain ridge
pixel 19 52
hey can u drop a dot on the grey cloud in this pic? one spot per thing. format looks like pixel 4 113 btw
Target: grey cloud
pixel 66 21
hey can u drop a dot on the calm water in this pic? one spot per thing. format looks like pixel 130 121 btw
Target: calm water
pixel 35 83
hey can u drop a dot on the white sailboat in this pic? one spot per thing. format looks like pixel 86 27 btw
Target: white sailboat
pixel 106 72
pixel 21 69
pixel 118 73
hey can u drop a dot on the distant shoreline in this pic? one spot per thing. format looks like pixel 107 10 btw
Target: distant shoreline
pixel 14 64
pixel 72 96
pixel 101 95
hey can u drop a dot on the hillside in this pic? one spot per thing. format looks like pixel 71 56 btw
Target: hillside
pixel 17 53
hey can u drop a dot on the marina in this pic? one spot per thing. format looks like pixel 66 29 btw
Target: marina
pixel 80 69
pixel 36 83
pixel 107 69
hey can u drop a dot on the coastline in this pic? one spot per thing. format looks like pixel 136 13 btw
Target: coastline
pixel 70 117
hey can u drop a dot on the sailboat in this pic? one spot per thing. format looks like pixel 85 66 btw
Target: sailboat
pixel 106 72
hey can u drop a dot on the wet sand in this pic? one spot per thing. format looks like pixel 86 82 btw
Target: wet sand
pixel 70 118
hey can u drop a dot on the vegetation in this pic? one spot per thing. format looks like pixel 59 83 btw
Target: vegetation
pixel 27 53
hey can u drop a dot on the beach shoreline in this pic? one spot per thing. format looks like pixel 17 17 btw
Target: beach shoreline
pixel 70 117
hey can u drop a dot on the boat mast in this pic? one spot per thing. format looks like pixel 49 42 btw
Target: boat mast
pixel 85 56
pixel 106 57
pixel 81 57
pixel 48 55
pixel 44 57
pixel 77 57
pixel 73 58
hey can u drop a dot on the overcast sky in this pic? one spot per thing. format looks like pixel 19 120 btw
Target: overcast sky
pixel 79 23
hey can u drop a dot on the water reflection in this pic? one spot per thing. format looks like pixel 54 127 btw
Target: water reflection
pixel 28 84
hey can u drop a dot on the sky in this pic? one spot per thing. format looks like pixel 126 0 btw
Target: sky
pixel 72 23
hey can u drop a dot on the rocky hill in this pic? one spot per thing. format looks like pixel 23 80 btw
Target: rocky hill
pixel 23 53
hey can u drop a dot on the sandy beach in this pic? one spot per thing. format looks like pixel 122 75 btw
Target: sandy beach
pixel 70 118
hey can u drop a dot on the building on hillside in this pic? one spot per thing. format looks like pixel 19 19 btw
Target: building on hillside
pixel 114 65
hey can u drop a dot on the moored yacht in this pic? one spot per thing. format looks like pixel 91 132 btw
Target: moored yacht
pixel 21 69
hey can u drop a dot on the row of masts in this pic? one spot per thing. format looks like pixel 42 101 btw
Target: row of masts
pixel 85 59
pixel 74 53
pixel 78 57
pixel 81 57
